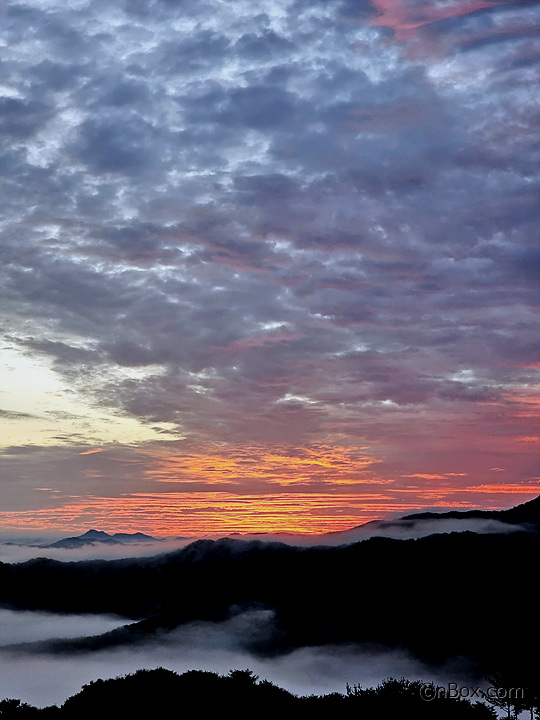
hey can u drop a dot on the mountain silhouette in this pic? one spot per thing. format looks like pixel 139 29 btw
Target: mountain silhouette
pixel 527 513
pixel 99 536
pixel 95 535
pixel 135 537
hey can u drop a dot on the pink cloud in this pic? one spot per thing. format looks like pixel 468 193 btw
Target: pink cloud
pixel 405 19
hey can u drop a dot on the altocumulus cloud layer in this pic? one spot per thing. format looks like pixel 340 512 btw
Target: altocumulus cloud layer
pixel 295 242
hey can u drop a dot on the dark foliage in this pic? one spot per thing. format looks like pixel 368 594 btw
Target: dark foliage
pixel 162 693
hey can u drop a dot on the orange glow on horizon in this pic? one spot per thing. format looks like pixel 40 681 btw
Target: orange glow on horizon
pixel 209 513
pixel 202 514
pixel 219 490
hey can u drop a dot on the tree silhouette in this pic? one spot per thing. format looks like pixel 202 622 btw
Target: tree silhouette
pixel 162 693
pixel 245 678
pixel 11 708
pixel 515 690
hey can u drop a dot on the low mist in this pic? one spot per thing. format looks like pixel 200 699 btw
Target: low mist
pixel 20 626
pixel 414 529
pixel 99 551
pixel 44 678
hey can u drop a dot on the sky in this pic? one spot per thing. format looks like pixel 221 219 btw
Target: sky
pixel 266 265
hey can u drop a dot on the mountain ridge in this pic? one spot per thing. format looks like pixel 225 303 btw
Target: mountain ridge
pixel 525 514
pixel 92 536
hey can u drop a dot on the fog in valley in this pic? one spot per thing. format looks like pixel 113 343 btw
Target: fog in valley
pixel 42 678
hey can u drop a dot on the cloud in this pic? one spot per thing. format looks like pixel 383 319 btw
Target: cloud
pixel 19 552
pixel 14 415
pixel 405 19
pixel 408 529
pixel 50 679
pixel 21 626
pixel 291 225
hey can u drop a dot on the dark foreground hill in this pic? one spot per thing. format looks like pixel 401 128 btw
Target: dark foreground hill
pixel 162 693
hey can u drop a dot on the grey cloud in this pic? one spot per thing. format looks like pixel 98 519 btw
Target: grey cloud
pixel 193 54
pixel 267 45
pixel 117 145
pixel 20 118
pixel 58 76
pixel 106 92
pixel 12 415
pixel 25 468
pixel 218 172
pixel 260 107
pixel 63 353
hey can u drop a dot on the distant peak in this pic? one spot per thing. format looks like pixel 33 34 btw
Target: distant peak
pixel 95 534
pixel 132 536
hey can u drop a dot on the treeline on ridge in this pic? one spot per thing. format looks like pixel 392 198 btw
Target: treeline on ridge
pixel 162 693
